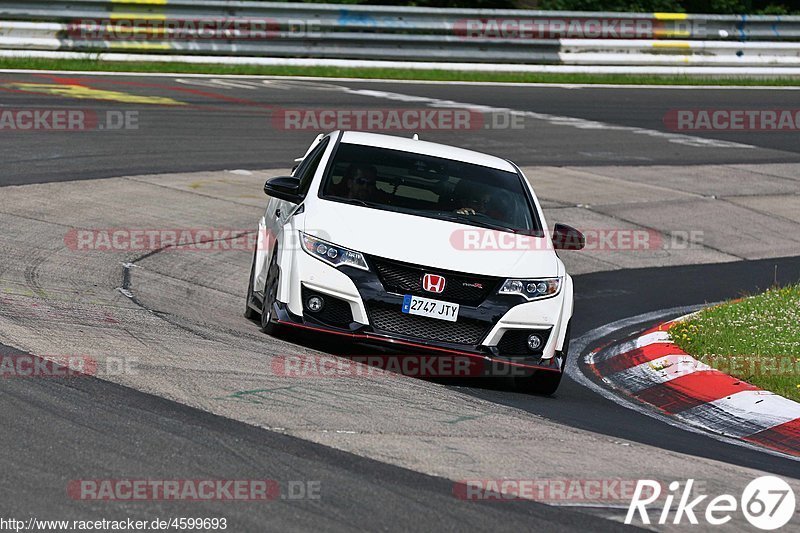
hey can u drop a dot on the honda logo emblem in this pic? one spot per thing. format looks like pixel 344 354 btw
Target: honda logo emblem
pixel 433 283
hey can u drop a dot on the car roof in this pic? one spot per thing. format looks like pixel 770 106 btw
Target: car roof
pixel 407 144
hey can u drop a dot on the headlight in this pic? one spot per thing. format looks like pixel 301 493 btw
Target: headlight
pixel 331 253
pixel 532 289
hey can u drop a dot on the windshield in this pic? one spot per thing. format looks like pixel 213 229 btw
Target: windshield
pixel 428 186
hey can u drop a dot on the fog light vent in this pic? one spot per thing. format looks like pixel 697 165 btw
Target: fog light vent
pixel 315 304
pixel 534 342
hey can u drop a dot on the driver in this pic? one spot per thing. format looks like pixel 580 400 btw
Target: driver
pixel 360 182
pixel 469 199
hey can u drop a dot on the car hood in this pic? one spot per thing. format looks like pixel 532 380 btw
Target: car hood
pixel 430 242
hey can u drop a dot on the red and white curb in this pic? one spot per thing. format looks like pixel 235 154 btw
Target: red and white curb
pixel 650 369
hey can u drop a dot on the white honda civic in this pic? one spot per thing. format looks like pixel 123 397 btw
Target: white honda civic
pixel 416 245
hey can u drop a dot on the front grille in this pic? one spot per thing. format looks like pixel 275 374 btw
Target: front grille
pixel 389 318
pixel 515 342
pixel 404 278
pixel 335 312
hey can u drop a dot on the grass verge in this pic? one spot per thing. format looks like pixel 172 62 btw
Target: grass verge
pixel 372 73
pixel 756 339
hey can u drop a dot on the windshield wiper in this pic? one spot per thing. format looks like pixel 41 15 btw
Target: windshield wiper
pixel 352 201
pixel 458 217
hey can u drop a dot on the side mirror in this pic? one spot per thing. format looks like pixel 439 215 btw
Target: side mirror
pixel 284 188
pixel 567 238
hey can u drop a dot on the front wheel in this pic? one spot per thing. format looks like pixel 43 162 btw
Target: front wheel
pixel 249 312
pixel 270 296
pixel 545 382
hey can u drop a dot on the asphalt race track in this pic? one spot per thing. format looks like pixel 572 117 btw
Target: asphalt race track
pixel 224 124
pixel 164 422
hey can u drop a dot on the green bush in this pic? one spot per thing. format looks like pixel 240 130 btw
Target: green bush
pixel 688 6
pixel 612 5
pixel 643 6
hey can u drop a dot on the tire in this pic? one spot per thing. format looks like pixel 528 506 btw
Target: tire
pixel 270 295
pixel 249 312
pixel 545 382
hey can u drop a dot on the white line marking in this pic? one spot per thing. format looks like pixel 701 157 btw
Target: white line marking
pixel 126 292
pixel 681 70
pixel 655 337
pixel 631 86
pixel 744 413
pixel 580 123
pixel 662 370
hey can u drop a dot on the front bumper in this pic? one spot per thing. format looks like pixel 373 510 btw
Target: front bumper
pixel 372 316
pixel 479 363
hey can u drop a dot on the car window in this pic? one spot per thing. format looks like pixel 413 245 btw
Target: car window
pixel 308 167
pixel 429 186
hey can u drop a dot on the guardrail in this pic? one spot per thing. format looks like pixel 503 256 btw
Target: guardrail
pixel 248 29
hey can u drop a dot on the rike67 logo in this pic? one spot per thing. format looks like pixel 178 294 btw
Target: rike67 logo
pixel 767 502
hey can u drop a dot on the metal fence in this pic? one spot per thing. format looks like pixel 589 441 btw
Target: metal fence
pixel 249 29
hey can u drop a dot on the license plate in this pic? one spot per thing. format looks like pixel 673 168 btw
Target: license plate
pixel 414 305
